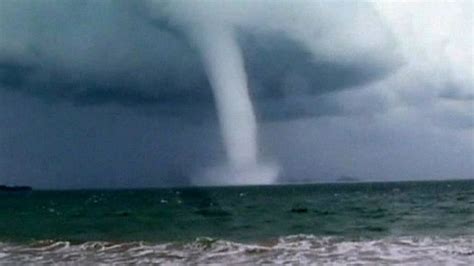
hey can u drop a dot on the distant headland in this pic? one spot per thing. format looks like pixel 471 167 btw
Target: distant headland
pixel 348 179
pixel 4 188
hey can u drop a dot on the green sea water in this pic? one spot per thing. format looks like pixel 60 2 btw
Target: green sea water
pixel 244 214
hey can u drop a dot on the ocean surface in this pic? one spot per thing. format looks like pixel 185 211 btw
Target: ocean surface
pixel 360 223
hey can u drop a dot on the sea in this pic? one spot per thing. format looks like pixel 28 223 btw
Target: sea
pixel 404 223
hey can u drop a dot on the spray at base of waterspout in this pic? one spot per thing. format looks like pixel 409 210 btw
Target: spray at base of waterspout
pixel 260 174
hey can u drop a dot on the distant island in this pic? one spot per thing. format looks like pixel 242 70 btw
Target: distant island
pixel 327 179
pixel 348 179
pixel 4 188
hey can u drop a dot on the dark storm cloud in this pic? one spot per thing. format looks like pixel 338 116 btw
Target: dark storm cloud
pixel 279 76
pixel 117 53
pixel 94 93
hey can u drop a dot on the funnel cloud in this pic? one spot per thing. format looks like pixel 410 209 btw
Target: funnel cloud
pixel 225 67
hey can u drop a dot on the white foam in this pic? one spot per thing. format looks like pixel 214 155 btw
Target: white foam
pixel 253 174
pixel 298 249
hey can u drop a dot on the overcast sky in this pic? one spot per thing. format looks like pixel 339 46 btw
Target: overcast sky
pixel 114 94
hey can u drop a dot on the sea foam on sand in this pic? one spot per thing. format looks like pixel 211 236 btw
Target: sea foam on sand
pixel 296 249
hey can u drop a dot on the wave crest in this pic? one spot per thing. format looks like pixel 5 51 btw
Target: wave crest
pixel 300 249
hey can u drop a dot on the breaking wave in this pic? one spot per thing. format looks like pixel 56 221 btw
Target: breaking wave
pixel 297 249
